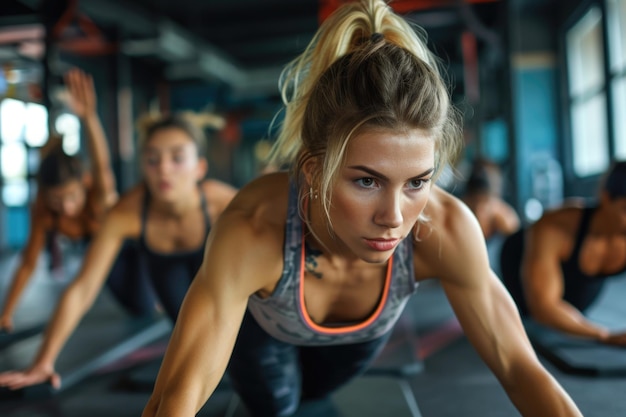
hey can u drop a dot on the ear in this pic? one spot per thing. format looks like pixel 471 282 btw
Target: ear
pixel 202 169
pixel 310 170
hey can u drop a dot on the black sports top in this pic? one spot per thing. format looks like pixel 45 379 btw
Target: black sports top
pixel 580 289
pixel 171 273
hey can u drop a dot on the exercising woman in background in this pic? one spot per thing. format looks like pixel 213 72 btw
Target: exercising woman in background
pixel 556 268
pixel 69 201
pixel 483 196
pixel 170 214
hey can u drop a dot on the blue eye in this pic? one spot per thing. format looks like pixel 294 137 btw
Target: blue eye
pixel 418 184
pixel 366 182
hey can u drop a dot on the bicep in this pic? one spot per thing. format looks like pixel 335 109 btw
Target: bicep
pixel 206 328
pixel 241 256
pixel 542 278
pixel 482 305
pixel 200 346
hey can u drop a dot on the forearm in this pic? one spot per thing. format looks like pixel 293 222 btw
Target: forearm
pixel 21 278
pixel 180 390
pixel 164 406
pixel 564 317
pixel 98 146
pixel 534 392
pixel 70 310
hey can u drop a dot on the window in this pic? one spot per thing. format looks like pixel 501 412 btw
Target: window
pixel 23 128
pixel 69 126
pixel 616 21
pixel 12 120
pixel 585 64
pixel 37 127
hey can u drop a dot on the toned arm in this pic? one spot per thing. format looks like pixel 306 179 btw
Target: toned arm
pixel 35 243
pixel 76 300
pixel 506 221
pixel 488 315
pixel 205 333
pixel 83 102
pixel 542 280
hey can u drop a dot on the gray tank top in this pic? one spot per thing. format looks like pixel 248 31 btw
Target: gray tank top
pixel 283 315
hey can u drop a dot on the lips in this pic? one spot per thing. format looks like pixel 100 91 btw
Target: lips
pixel 164 185
pixel 382 244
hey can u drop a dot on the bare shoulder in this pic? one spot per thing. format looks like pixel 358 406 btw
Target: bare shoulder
pixel 447 213
pixel 218 190
pixel 450 240
pixel 562 221
pixel 249 235
pixel 553 234
pixel 264 198
pixel 124 218
pixel 131 200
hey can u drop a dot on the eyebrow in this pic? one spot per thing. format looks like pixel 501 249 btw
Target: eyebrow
pixel 175 148
pixel 375 173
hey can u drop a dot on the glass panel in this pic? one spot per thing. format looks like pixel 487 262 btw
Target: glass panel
pixel 584 54
pixel 13 161
pixel 37 124
pixel 619 116
pixel 589 133
pixel 12 120
pixel 15 193
pixel 69 126
pixel 617 34
pixel 34 158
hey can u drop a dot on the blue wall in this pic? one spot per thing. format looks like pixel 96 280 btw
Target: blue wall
pixel 536 124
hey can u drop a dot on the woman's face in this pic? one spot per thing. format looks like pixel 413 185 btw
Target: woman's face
pixel 381 191
pixel 171 165
pixel 68 199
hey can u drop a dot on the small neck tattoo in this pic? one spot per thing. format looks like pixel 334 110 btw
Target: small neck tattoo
pixel 310 260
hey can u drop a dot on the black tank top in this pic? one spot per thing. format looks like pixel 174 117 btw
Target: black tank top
pixel 580 289
pixel 171 273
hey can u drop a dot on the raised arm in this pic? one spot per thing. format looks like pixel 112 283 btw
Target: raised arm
pixel 490 319
pixel 543 284
pixel 30 254
pixel 506 220
pixel 75 302
pixel 209 320
pixel 83 103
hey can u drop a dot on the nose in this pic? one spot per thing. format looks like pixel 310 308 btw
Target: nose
pixel 164 166
pixel 68 207
pixel 389 213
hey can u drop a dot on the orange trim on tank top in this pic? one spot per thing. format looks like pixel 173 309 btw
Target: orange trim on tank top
pixel 342 329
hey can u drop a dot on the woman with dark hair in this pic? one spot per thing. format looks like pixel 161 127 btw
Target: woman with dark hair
pixel 169 214
pixel 556 268
pixel 483 196
pixel 70 201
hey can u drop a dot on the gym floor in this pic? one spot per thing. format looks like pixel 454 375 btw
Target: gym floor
pixel 453 381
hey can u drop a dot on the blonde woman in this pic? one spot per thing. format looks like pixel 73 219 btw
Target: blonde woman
pixel 306 273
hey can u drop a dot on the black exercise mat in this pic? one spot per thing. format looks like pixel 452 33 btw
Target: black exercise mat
pixel 577 356
pixel 8 338
pixel 105 335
